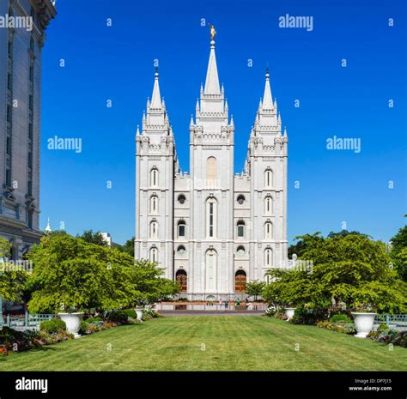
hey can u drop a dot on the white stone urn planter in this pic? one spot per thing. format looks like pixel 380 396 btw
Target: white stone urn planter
pixel 72 321
pixel 139 313
pixel 363 323
pixel 289 312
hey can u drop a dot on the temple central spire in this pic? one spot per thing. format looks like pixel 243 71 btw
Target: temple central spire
pixel 212 80
pixel 156 97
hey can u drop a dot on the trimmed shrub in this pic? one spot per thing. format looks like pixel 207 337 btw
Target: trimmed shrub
pixel 94 320
pixel 53 326
pixel 309 316
pixel 83 327
pixel 118 317
pixel 340 317
pixel 89 328
pixel 130 313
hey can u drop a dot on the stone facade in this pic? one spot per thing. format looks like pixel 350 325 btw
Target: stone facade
pixel 210 229
pixel 21 42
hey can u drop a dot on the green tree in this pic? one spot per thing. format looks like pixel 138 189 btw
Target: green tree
pixel 347 268
pixel 12 285
pixel 255 288
pixel 12 279
pixel 149 284
pixel 5 248
pixel 71 274
pixel 400 262
pixel 93 237
pixel 303 242
pixel 398 252
pixel 128 247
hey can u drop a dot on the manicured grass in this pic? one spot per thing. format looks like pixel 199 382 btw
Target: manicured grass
pixel 211 343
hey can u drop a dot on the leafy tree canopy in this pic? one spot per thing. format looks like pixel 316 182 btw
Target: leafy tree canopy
pixel 149 284
pixel 5 248
pixel 128 247
pixel 399 252
pixel 93 237
pixel 73 274
pixel 12 279
pixel 347 268
pixel 255 288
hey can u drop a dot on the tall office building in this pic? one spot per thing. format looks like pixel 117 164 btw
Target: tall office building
pixel 22 36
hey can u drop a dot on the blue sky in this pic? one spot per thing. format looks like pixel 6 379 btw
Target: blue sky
pixel 116 63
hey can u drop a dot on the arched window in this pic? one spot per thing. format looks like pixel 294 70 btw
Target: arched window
pixel 240 251
pixel 181 250
pixel 154 204
pixel 268 230
pixel 154 177
pixel 268 205
pixel 240 228
pixel 240 281
pixel 181 199
pixel 182 280
pixel 153 254
pixel 154 229
pixel 268 178
pixel 211 169
pixel 181 228
pixel 240 199
pixel 268 257
pixel 211 217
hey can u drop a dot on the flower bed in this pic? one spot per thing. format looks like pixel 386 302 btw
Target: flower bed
pixel 338 326
pixel 385 335
pixel 16 341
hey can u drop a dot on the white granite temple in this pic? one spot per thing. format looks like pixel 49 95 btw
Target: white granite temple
pixel 212 230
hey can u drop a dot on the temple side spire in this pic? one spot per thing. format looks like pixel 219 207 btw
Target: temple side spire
pixel 267 97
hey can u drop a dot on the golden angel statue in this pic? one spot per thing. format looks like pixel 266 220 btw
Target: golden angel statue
pixel 213 32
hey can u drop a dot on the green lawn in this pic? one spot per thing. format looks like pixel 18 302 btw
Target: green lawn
pixel 211 343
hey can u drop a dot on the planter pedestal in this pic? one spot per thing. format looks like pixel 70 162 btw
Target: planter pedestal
pixel 72 321
pixel 289 312
pixel 139 313
pixel 363 323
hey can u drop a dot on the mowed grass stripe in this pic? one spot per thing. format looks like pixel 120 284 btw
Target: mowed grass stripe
pixel 211 343
pixel 322 346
